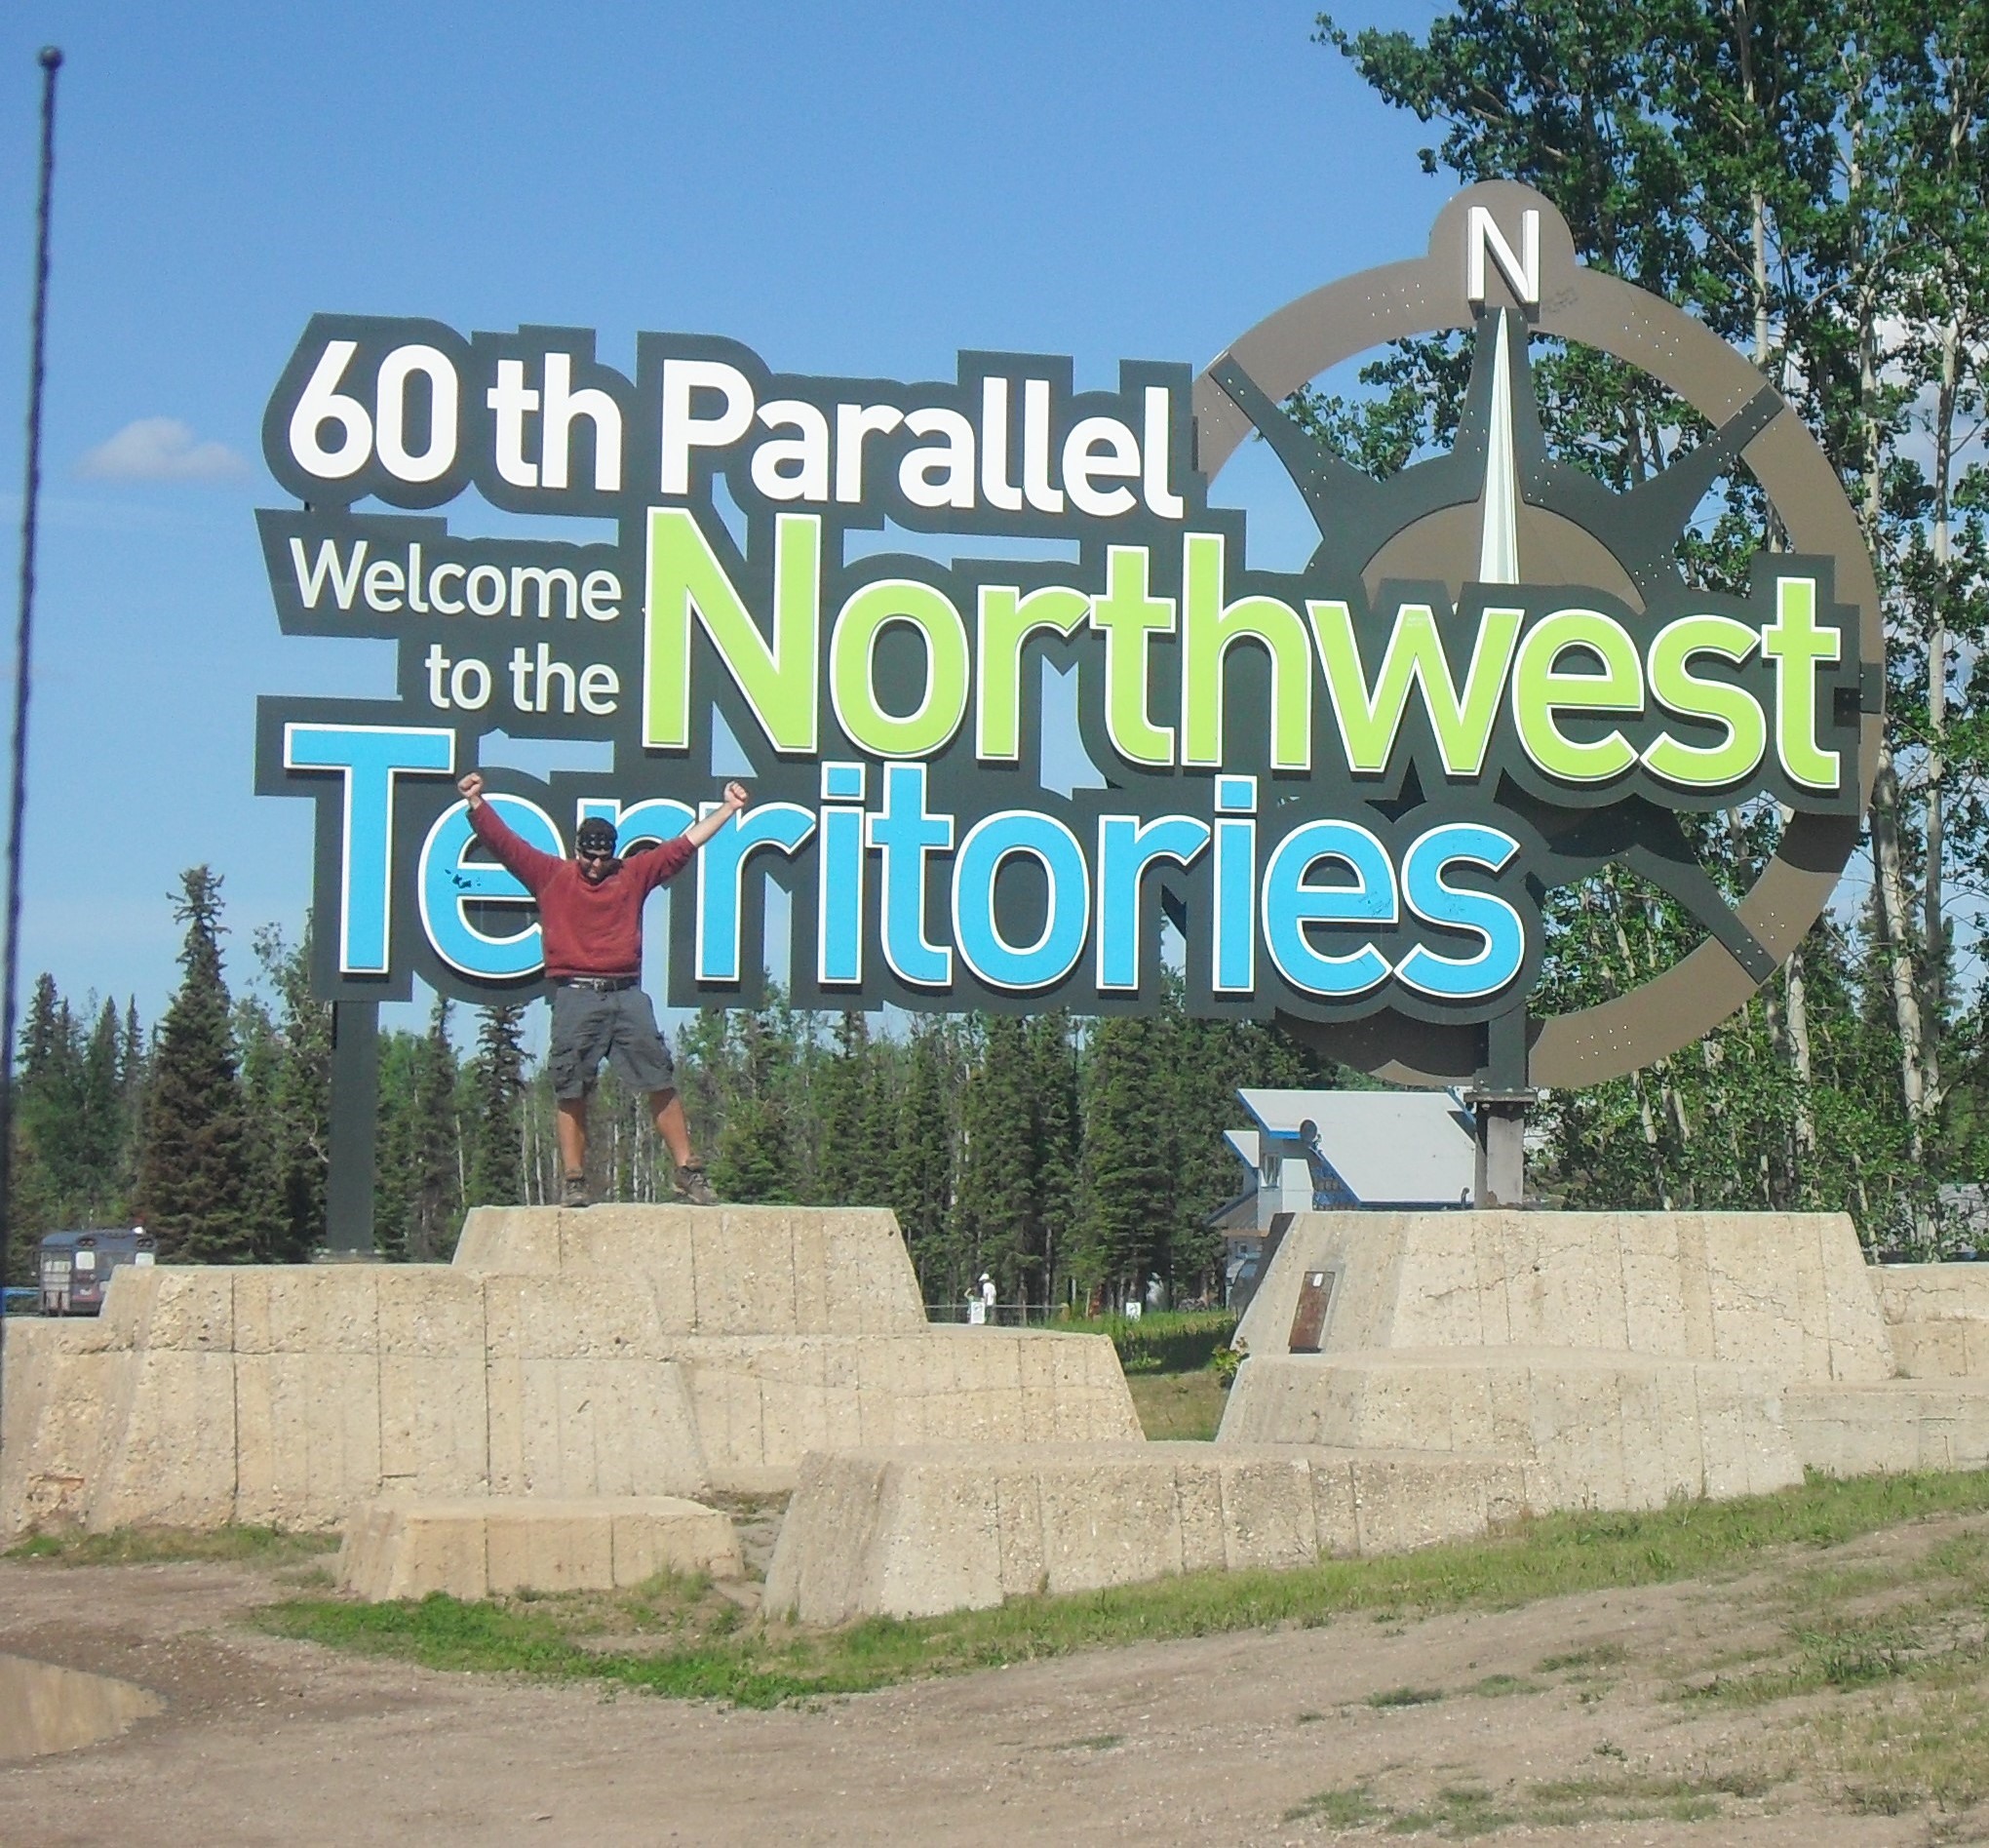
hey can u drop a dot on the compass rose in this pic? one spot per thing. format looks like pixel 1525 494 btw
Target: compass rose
pixel 1500 509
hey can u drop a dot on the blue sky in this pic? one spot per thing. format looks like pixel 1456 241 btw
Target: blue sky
pixel 859 189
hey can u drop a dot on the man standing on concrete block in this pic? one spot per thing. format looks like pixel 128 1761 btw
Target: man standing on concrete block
pixel 591 919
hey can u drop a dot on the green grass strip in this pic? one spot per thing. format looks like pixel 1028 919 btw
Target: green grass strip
pixel 174 1546
pixel 1551 1557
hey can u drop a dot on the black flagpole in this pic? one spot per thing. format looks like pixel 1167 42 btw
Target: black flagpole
pixel 51 62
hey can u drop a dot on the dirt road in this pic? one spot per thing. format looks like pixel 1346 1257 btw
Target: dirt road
pixel 1549 1716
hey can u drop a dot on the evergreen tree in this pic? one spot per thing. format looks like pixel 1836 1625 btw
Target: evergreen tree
pixel 196 1177
pixel 754 1157
pixel 100 1132
pixel 497 1085
pixel 133 1073
pixel 299 1123
pixel 922 1165
pixel 853 1167
pixel 1056 1141
pixel 35 1204
pixel 394 1183
pixel 994 1209
pixel 1129 1178
pixel 48 1094
pixel 44 1041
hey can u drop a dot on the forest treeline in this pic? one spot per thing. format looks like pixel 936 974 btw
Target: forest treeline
pixel 1073 1161
pixel 1811 181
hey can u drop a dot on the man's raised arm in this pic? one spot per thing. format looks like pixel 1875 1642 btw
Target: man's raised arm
pixel 523 861
pixel 701 830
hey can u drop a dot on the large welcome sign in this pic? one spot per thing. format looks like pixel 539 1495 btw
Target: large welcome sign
pixel 1350 786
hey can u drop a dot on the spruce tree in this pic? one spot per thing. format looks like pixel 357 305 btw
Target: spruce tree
pixel 195 1180
pixel 100 1128
pixel 496 1168
pixel 437 1212
pixel 33 1203
pixel 299 1119
pixel 852 1168
pixel 393 1146
pixel 923 1164
pixel 1129 1180
pixel 1056 1125
pixel 993 1214
pixel 48 1100
pixel 755 1158
pixel 133 1073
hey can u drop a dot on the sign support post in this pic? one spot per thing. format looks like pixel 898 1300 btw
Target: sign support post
pixel 1500 1098
pixel 355 1119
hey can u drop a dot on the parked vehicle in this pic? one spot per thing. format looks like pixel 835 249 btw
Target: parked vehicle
pixel 76 1267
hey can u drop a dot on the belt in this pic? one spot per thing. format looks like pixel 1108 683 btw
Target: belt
pixel 598 984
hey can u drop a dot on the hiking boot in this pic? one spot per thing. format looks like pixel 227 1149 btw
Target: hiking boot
pixel 574 1190
pixel 693 1189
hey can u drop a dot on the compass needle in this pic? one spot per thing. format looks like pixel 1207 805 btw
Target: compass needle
pixel 1498 532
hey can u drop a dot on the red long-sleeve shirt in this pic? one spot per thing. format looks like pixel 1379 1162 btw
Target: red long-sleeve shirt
pixel 588 927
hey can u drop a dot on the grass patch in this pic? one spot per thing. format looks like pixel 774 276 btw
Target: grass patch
pixel 1492 1686
pixel 1902 1644
pixel 1348 1808
pixel 1405 1697
pixel 1167 1341
pixel 1459 1811
pixel 1932 1750
pixel 1604 1655
pixel 1462 1811
pixel 1631 1796
pixel 1923 1620
pixel 760 1664
pixel 1177 1406
pixel 164 1546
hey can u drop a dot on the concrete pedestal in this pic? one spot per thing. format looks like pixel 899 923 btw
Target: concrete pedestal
pixel 1416 1377
pixel 1626 1357
pixel 480 1547
pixel 1410 1377
pixel 915 1532
pixel 613 1351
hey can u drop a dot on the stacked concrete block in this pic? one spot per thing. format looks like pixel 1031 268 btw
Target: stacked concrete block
pixel 1605 1431
pixel 404 1547
pixel 1937 1316
pixel 732 1271
pixel 169 1426
pixel 1625 1357
pixel 1787 1291
pixel 616 1352
pixel 915 1531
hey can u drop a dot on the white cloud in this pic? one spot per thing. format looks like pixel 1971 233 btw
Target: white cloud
pixel 161 449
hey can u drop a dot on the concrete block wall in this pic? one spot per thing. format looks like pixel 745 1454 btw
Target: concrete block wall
pixel 615 1351
pixel 915 1531
pixel 1626 1356
pixel 1789 1291
pixel 762 1403
pixel 726 1271
pixel 1600 1430
pixel 1937 1316
pixel 400 1547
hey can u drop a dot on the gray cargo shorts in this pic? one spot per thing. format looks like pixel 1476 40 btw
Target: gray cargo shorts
pixel 618 1025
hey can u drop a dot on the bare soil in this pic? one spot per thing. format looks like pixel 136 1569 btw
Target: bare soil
pixel 1299 1736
